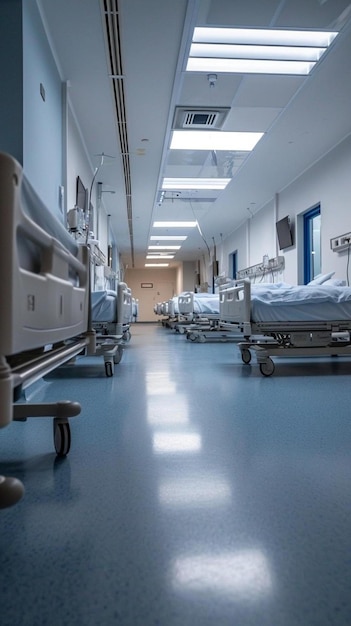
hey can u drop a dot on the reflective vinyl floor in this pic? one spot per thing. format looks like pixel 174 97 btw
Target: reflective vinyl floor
pixel 197 492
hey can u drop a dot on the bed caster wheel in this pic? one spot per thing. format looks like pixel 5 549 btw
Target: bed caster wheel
pixel 11 491
pixel 192 337
pixel 267 367
pixel 62 438
pixel 126 335
pixel 246 356
pixel 181 330
pixel 109 369
pixel 201 338
pixel 118 356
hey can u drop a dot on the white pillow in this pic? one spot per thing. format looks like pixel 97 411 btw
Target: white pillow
pixel 321 278
pixel 335 282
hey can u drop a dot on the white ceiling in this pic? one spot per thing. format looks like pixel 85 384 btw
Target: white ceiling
pixel 302 117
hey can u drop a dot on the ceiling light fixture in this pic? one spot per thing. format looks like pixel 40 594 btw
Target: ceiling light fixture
pixel 174 224
pixel 164 247
pixel 249 66
pixel 194 183
pixel 214 140
pixel 160 256
pixel 156 264
pixel 264 36
pixel 168 237
pixel 280 53
pixel 268 51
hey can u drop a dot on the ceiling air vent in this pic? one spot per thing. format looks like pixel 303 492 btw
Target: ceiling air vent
pixel 199 118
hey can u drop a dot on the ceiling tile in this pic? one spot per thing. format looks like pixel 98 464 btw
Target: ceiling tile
pixel 250 118
pixel 196 90
pixel 242 13
pixel 323 14
pixel 267 91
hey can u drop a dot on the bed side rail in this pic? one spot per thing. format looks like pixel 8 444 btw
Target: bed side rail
pixel 171 308
pixel 186 303
pixel 45 300
pixel 124 307
pixel 235 305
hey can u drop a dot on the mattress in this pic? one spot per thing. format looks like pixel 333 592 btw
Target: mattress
pixel 201 303
pixel 39 213
pixel 103 306
pixel 206 303
pixel 29 254
pixel 300 303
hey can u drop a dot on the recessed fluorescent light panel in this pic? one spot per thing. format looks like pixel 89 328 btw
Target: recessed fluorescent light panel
pixel 160 256
pixel 213 140
pixel 164 247
pixel 258 51
pixel 174 184
pixel 168 237
pixel 156 264
pixel 174 224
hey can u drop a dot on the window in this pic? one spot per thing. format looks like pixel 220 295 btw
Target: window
pixel 312 243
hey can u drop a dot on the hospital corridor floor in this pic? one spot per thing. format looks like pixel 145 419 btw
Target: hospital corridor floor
pixel 197 492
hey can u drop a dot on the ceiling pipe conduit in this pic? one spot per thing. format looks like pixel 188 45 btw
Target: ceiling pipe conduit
pixel 112 33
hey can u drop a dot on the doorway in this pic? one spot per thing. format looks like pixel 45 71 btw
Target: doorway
pixel 312 243
pixel 233 264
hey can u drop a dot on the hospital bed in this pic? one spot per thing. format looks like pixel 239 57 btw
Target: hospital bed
pixel 182 310
pixel 112 315
pixel 135 310
pixel 172 316
pixel 200 319
pixel 44 295
pixel 168 310
pixel 190 313
pixel 197 311
pixel 284 320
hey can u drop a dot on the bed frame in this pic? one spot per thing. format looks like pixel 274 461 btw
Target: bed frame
pixel 200 327
pixel 288 339
pixel 112 335
pixel 167 309
pixel 44 312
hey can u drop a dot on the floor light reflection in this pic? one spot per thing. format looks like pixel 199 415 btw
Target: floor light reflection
pixel 195 491
pixel 244 575
pixel 159 383
pixel 176 442
pixel 167 411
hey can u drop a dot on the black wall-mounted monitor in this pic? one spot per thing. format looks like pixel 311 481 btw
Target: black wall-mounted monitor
pixel 284 233
pixel 80 195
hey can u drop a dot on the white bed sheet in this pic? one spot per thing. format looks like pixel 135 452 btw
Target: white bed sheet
pixel 103 306
pixel 300 303
pixel 206 303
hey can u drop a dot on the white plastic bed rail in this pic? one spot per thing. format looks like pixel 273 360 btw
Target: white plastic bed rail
pixel 44 299
pixel 235 306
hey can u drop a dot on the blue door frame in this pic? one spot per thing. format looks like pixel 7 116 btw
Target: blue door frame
pixel 233 264
pixel 312 260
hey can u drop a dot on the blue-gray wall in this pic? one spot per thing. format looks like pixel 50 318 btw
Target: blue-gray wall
pixel 42 137
pixel 31 128
pixel 11 72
